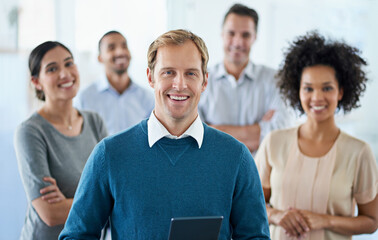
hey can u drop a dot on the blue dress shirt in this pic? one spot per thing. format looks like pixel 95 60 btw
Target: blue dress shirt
pixel 119 111
pixel 245 101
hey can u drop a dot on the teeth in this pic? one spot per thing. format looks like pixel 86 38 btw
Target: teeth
pixel 178 98
pixel 318 107
pixel 120 60
pixel 65 85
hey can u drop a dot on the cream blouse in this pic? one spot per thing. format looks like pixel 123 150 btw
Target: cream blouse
pixel 331 184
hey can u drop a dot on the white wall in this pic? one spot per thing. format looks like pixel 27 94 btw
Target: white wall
pixel 80 23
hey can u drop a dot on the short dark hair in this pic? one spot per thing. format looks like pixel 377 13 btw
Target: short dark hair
pixel 313 49
pixel 106 34
pixel 35 59
pixel 243 10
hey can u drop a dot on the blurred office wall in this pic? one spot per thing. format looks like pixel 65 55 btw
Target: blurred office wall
pixel 80 23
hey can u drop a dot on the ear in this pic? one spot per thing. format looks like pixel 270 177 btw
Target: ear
pixel 150 78
pixel 341 94
pixel 36 83
pixel 99 58
pixel 204 84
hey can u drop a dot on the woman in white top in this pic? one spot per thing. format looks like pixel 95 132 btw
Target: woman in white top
pixel 314 174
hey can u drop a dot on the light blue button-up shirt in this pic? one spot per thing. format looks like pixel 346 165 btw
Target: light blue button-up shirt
pixel 119 111
pixel 243 102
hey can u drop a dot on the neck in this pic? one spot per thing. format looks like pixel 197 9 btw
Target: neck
pixel 319 131
pixel 59 113
pixel 119 82
pixel 234 69
pixel 176 127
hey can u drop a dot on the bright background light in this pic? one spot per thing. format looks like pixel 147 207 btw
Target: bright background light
pixel 79 24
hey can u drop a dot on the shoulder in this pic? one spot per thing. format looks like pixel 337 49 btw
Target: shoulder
pixel 282 135
pixel 31 130
pixel 266 73
pixel 348 143
pixel 279 141
pixel 221 139
pixel 215 70
pixel 91 116
pixel 32 124
pixel 141 91
pixel 129 137
pixel 89 90
pixel 224 147
pixel 263 68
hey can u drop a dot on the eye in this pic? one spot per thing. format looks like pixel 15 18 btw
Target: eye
pixel 111 47
pixel 168 73
pixel 328 88
pixel 51 69
pixel 246 35
pixel 69 64
pixel 192 74
pixel 231 34
pixel 307 89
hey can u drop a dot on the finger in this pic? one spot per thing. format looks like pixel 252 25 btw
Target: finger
pixel 55 200
pixel 47 189
pixel 295 224
pixel 285 222
pixel 50 195
pixel 50 180
pixel 303 223
pixel 268 115
pixel 290 230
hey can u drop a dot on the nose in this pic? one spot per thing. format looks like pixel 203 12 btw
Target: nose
pixel 237 40
pixel 64 73
pixel 121 51
pixel 179 82
pixel 317 95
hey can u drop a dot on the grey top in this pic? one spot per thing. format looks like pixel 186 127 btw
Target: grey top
pixel 42 151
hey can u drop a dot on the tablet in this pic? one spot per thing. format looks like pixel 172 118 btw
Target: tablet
pixel 199 228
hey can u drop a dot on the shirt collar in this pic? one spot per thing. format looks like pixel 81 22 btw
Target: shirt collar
pixel 156 131
pixel 220 72
pixel 104 84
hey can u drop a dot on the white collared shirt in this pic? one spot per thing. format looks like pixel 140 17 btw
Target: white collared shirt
pixel 156 131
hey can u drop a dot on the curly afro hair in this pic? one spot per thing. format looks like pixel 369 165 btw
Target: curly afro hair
pixel 312 49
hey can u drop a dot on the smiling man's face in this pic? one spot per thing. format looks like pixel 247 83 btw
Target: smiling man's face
pixel 114 53
pixel 178 82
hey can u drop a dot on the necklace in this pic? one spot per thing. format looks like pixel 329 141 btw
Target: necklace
pixel 69 127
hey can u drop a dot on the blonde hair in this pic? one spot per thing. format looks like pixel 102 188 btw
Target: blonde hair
pixel 177 37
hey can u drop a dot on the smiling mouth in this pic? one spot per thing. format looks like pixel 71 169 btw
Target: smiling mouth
pixel 66 85
pixel 317 108
pixel 178 98
pixel 121 60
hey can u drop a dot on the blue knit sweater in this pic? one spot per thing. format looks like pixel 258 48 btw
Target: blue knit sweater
pixel 142 188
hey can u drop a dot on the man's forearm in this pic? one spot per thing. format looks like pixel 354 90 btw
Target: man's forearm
pixel 249 134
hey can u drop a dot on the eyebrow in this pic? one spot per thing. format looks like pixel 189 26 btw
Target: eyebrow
pixel 326 83
pixel 65 60
pixel 172 68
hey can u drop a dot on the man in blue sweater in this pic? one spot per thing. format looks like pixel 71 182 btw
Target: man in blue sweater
pixel 171 165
